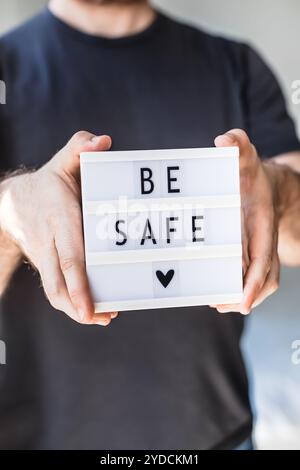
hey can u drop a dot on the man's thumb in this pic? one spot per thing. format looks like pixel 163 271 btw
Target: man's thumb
pixel 68 158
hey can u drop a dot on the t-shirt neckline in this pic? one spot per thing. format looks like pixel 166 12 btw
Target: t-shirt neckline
pixel 147 33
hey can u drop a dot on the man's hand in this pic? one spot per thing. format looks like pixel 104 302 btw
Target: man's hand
pixel 40 212
pixel 260 219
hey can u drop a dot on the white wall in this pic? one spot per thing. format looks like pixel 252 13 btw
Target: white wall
pixel 14 11
pixel 273 27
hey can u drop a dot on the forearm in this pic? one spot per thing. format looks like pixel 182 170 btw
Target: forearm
pixel 284 172
pixel 10 258
pixel 10 255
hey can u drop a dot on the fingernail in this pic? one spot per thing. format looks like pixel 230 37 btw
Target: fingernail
pixel 96 138
pixel 81 314
pixel 245 311
pixel 232 138
pixel 229 134
pixel 114 314
pixel 103 322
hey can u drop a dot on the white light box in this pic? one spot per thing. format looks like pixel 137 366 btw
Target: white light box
pixel 162 228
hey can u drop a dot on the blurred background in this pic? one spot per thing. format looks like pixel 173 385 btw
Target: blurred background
pixel 272 26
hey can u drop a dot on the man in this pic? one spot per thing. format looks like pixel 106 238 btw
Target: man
pixel 134 79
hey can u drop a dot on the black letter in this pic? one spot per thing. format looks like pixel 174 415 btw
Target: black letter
pixel 121 233
pixel 170 190
pixel 150 236
pixel 172 229
pixel 194 228
pixel 148 179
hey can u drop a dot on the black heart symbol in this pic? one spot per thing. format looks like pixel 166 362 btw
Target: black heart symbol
pixel 165 279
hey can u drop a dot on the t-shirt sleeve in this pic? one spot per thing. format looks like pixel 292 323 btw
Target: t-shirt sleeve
pixel 4 155
pixel 268 123
pixel 2 103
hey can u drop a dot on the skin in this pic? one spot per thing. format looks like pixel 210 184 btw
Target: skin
pixel 53 242
pixel 108 18
pixel 270 199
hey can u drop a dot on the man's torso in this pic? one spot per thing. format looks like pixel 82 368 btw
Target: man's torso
pixel 154 379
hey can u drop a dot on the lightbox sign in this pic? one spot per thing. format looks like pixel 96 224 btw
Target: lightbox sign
pixel 162 228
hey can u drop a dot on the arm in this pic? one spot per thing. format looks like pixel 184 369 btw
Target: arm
pixel 10 254
pixel 284 170
pixel 10 257
pixel 40 219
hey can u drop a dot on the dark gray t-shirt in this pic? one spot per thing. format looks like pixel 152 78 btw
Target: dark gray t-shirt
pixel 164 379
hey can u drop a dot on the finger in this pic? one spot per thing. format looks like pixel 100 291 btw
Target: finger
pixel 67 160
pixel 114 314
pixel 254 281
pixel 272 282
pixel 245 246
pixel 228 308
pixel 56 290
pixel 104 319
pixel 248 159
pixel 54 283
pixel 69 244
pixel 238 137
pixel 262 241
pixel 260 271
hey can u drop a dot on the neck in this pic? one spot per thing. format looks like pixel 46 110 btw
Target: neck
pixel 111 20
